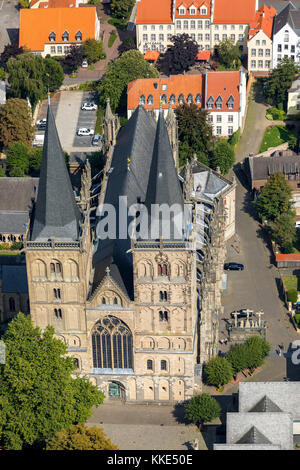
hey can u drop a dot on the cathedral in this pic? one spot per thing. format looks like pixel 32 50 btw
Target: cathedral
pixel 140 316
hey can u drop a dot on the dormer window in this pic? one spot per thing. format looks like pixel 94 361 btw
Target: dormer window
pixel 198 99
pixel 172 99
pixel 219 102
pixel 230 102
pixel 65 36
pixel 52 36
pixel 189 99
pixel 210 103
pixel 181 11
pixel 203 11
pixel 192 11
pixel 78 36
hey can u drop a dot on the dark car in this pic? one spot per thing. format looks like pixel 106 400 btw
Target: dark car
pixel 233 267
pixel 242 313
pixel 42 125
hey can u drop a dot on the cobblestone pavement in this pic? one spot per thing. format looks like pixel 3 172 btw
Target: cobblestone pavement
pixel 142 427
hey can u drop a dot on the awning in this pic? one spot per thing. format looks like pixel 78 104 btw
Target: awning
pixel 203 55
pixel 152 55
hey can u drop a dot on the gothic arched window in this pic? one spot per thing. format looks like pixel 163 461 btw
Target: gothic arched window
pixel 198 99
pixel 172 99
pixel 180 99
pixel 164 99
pixel 150 99
pixel 112 344
pixel 189 99
pixel 142 99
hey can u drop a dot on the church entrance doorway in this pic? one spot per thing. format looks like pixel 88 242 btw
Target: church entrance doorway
pixel 116 391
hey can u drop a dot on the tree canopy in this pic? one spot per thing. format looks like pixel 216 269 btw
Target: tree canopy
pixel 223 156
pixel 15 122
pixel 17 159
pixel 229 54
pixel 38 396
pixel 130 66
pixel 279 81
pixel 93 50
pixel 194 133
pixel 10 50
pixel 121 8
pixel 202 409
pixel 73 59
pixel 284 231
pixel 80 438
pixel 275 198
pixel 179 57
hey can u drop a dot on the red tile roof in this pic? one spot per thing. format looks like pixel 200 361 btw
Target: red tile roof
pixel 37 24
pixel 288 257
pixel 58 4
pixel 176 84
pixel 154 11
pixel 203 55
pixel 234 11
pixel 197 4
pixel 263 21
pixel 151 55
pixel 224 84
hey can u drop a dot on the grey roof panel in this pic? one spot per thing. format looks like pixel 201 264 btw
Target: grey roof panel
pixel 16 194
pixel 14 279
pixel 253 436
pixel 56 213
pixel 265 405
pixel 13 222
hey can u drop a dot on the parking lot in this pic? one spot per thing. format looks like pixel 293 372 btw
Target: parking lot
pixel 86 119
pixel 9 22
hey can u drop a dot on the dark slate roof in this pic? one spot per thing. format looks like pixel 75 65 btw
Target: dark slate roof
pixel 288 15
pixel 14 279
pixel 56 213
pixel 135 142
pixel 13 222
pixel 263 167
pixel 265 405
pixel 163 186
pixel 253 436
pixel 16 194
pixel 278 4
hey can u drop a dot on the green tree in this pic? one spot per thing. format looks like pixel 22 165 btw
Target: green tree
pixel 130 66
pixel 2 172
pixel 223 156
pixel 73 59
pixel 38 396
pixel 179 57
pixel 93 50
pixel 275 198
pixel 237 357
pixel 283 231
pixel 280 80
pixel 53 75
pixel 257 349
pixel 80 438
pixel 24 3
pixel 15 122
pixel 35 158
pixel 218 371
pixel 10 50
pixel 202 409
pixel 229 54
pixel 26 76
pixel 292 295
pixel 17 159
pixel 293 143
pixel 121 8
pixel 194 133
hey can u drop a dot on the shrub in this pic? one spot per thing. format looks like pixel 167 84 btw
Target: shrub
pixel 112 38
pixel 16 246
pixel 234 139
pixel 292 295
pixel 4 246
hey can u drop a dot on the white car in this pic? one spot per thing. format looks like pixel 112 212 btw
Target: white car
pixel 84 64
pixel 41 122
pixel 89 106
pixel 85 131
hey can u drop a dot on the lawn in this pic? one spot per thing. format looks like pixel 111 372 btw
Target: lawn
pixel 112 37
pixel 290 282
pixel 275 136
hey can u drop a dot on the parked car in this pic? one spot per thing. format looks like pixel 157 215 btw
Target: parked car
pixel 233 267
pixel 89 106
pixel 41 123
pixel 297 224
pixel 85 64
pixel 38 140
pixel 85 131
pixel 96 140
pixel 242 313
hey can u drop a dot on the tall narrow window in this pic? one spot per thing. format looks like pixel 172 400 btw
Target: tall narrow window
pixel 163 365
pixel 149 364
pixel 12 305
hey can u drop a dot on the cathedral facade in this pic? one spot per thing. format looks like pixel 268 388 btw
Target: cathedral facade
pixel 139 316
